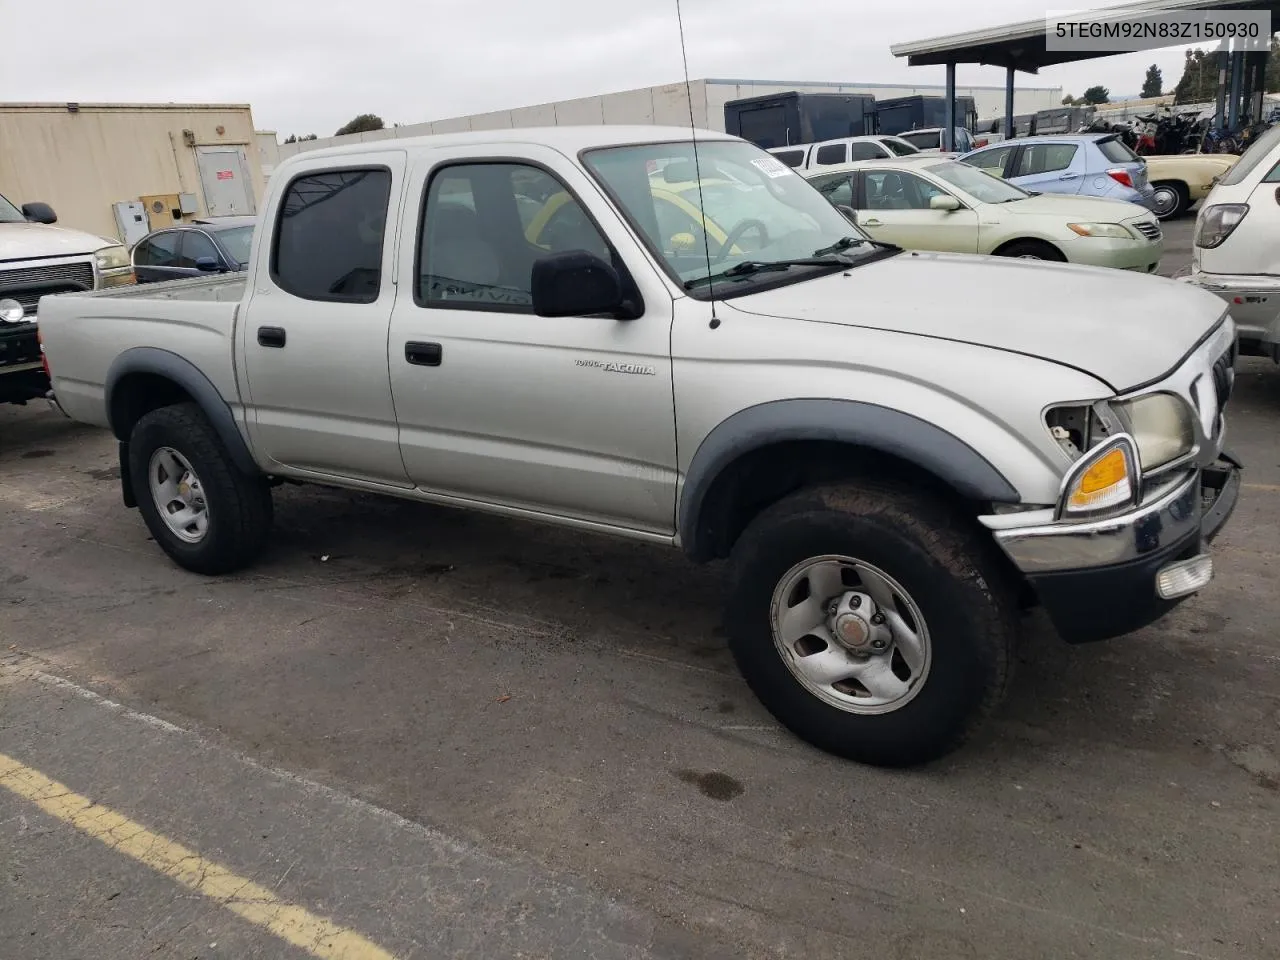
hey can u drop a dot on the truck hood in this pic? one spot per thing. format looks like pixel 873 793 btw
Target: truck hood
pixel 1123 328
pixel 23 241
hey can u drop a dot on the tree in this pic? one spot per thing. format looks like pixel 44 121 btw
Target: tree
pixel 294 138
pixel 361 124
pixel 1153 84
pixel 1068 100
pixel 1095 95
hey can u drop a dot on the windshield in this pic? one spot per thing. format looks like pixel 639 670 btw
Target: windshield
pixel 9 213
pixel 237 242
pixel 751 207
pixel 1254 155
pixel 925 140
pixel 979 185
pixel 899 147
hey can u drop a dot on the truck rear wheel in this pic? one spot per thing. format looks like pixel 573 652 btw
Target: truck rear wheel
pixel 870 622
pixel 209 516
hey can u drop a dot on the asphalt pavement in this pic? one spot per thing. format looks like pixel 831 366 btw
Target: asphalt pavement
pixel 413 732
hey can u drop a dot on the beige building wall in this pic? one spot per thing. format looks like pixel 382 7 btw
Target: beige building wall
pixel 81 162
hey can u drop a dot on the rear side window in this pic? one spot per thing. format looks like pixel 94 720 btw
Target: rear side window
pixel 831 153
pixel 1116 151
pixel 866 151
pixel 792 158
pixel 990 161
pixel 1044 158
pixel 328 241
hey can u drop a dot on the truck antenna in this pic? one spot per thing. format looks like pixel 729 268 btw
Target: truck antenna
pixel 697 166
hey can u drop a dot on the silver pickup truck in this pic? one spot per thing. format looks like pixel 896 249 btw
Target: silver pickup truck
pixel 632 332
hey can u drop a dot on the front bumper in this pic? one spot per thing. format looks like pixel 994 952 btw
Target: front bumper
pixel 1254 303
pixel 1098 580
pixel 1141 255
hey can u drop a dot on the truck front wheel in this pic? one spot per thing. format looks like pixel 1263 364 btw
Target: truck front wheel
pixel 870 622
pixel 208 515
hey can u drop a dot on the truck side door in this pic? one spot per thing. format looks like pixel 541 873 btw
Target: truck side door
pixel 313 334
pixel 571 416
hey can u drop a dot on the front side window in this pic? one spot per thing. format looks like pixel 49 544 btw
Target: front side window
pixel 977 183
pixel 484 225
pixel 194 246
pixel 754 207
pixel 991 161
pixel 831 153
pixel 328 240
pixel 158 250
pixel 1044 158
pixel 838 189
pixel 894 190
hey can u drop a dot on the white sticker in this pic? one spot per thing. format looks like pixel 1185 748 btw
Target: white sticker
pixel 771 168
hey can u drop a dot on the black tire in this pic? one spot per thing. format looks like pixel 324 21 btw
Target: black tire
pixel 238 505
pixel 969 608
pixel 1033 250
pixel 1181 201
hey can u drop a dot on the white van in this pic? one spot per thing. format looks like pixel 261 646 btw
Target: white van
pixel 833 153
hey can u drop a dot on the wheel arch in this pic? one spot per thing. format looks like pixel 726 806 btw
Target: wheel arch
pixel 143 379
pixel 1000 249
pixel 749 461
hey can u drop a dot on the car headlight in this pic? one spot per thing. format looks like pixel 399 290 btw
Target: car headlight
pixel 1104 480
pixel 1216 223
pixel 1162 426
pixel 112 258
pixel 1113 231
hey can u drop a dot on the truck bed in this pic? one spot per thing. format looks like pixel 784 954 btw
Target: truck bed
pixel 84 333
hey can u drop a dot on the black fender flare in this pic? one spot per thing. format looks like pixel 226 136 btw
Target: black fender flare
pixel 189 377
pixel 869 425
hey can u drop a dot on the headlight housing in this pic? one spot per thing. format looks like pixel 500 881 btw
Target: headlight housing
pixel 1113 231
pixel 1217 222
pixel 1162 426
pixel 112 258
pixel 1104 480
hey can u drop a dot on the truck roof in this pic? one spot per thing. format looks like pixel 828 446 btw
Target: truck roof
pixel 570 139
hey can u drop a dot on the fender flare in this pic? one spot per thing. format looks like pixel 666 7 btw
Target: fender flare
pixel 879 428
pixel 189 377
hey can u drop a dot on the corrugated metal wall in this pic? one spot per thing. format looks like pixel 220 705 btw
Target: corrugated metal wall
pixel 82 162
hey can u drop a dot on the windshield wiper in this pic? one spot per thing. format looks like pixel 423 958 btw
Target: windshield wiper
pixel 748 267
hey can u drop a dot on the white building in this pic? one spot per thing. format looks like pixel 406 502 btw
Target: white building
pixel 671 105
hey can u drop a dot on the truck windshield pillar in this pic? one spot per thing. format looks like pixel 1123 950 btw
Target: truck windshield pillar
pixel 1008 102
pixel 949 110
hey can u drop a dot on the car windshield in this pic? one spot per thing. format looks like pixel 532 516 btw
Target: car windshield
pixel 237 241
pixel 1257 151
pixel 9 213
pixel 979 185
pixel 899 147
pixel 751 211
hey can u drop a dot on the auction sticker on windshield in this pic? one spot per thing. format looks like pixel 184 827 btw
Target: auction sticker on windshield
pixel 771 168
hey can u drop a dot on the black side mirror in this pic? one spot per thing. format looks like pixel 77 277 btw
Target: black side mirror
pixel 576 283
pixel 39 213
pixel 208 264
pixel 850 214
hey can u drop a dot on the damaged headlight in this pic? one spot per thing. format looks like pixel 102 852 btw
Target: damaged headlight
pixel 1161 424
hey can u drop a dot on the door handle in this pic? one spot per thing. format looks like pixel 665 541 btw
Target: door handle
pixel 871 223
pixel 423 354
pixel 271 336
pixel 1070 176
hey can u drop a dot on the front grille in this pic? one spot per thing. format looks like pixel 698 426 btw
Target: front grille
pixel 28 284
pixel 1148 228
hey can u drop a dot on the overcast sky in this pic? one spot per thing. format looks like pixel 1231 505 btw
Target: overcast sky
pixel 308 67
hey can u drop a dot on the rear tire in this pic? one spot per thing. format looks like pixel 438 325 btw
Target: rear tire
pixel 201 509
pixel 1032 250
pixel 942 587
pixel 1171 200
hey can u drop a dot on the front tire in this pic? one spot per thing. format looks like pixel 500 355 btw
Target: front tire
pixel 203 511
pixel 870 622
pixel 1032 250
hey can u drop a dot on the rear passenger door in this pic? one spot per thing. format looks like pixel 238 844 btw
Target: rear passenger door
pixel 313 336
pixel 1047 168
pixel 569 416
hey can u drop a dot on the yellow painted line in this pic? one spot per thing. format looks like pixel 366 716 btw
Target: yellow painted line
pixel 1274 488
pixel 316 935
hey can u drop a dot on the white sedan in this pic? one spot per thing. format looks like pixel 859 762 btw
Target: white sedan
pixel 930 203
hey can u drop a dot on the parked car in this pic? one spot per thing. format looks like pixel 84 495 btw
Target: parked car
pixel 829 153
pixel 1181 181
pixel 929 140
pixel 1236 250
pixel 38 258
pixel 206 245
pixel 891 458
pixel 1091 165
pixel 931 203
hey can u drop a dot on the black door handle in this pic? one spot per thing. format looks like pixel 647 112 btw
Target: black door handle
pixel 271 336
pixel 423 354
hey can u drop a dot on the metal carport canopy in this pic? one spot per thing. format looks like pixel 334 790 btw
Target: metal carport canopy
pixel 1021 46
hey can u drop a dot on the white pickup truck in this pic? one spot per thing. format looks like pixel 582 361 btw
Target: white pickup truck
pixel 630 332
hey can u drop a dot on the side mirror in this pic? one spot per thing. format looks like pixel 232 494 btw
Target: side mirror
pixel 39 213
pixel 945 202
pixel 576 283
pixel 208 264
pixel 680 171
pixel 850 214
